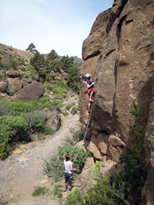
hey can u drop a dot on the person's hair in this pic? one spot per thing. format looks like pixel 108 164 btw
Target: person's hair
pixel 89 77
pixel 67 157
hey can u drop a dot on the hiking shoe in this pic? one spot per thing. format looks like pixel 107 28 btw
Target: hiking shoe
pixel 64 190
pixel 91 100
pixel 68 191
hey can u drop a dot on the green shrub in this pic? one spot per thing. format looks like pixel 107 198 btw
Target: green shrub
pixel 75 198
pixel 74 111
pixel 40 191
pixel 56 103
pixel 11 90
pixel 77 136
pixel 19 107
pixel 55 166
pixel 41 103
pixel 69 106
pixel 2 75
pixel 134 173
pixel 36 121
pixel 48 130
pixel 22 68
pixel 6 134
pixel 32 74
pixel 65 113
pixel 104 192
pixel 4 107
pixel 12 128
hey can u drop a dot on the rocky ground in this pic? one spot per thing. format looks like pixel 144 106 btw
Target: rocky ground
pixel 22 171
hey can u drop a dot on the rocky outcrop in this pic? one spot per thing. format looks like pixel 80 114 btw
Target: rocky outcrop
pixel 32 91
pixel 3 86
pixel 53 120
pixel 119 54
pixel 148 190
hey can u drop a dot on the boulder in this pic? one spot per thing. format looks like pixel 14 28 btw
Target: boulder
pixel 32 91
pixel 15 82
pixel 3 86
pixel 103 143
pixel 95 151
pixel 12 73
pixel 82 145
pixel 53 120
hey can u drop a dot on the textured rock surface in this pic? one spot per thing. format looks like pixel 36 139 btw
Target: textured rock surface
pixel 148 190
pixel 53 120
pixel 32 91
pixel 119 54
pixel 3 86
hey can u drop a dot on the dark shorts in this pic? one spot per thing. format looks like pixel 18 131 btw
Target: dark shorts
pixel 68 178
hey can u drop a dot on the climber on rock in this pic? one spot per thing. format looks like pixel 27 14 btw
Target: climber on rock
pixel 90 90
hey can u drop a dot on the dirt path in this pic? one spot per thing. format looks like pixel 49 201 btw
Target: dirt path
pixel 20 173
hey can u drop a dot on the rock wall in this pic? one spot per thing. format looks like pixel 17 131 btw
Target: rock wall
pixel 119 53
pixel 148 190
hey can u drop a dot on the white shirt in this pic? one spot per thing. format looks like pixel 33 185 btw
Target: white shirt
pixel 67 165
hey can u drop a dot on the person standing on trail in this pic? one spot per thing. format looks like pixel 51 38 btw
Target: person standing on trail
pixel 90 87
pixel 68 165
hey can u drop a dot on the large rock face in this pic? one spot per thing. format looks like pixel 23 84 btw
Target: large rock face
pixel 148 190
pixel 32 91
pixel 119 54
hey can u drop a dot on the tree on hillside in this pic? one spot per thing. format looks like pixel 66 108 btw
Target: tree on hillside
pixel 73 77
pixel 52 55
pixel 31 48
pixel 37 60
pixel 66 62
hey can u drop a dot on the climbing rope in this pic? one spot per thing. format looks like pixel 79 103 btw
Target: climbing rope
pixel 84 134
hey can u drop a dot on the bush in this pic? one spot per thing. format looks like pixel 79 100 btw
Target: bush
pixel 40 191
pixel 69 105
pixel 11 90
pixel 4 107
pixel 36 121
pixel 12 128
pixel 19 107
pixel 104 192
pixel 55 167
pixel 2 75
pixel 75 198
pixel 56 103
pixel 74 111
pixel 32 74
pixel 56 89
pixel 41 103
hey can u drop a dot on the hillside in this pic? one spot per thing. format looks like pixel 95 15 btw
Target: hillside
pixel 19 55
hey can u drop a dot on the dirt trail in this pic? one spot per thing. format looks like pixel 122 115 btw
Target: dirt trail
pixel 20 173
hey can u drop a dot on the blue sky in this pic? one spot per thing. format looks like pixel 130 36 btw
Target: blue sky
pixel 49 24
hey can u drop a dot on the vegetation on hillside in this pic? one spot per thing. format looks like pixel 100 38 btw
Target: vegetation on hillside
pixel 20 119
pixel 50 67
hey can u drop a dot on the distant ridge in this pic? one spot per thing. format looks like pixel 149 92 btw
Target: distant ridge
pixel 5 50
